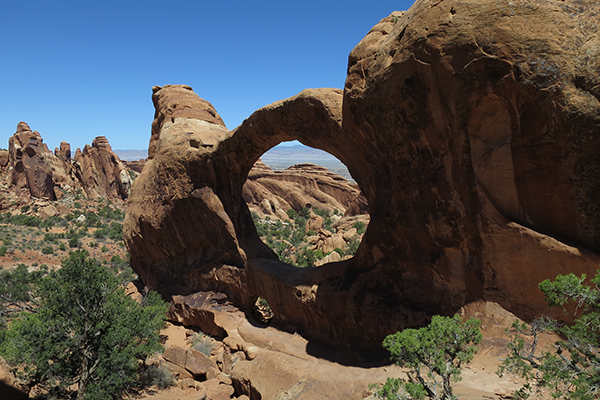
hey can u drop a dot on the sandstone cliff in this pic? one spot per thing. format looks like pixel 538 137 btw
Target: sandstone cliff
pixel 269 193
pixel 34 172
pixel 470 127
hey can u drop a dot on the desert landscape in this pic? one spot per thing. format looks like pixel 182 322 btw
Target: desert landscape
pixel 470 134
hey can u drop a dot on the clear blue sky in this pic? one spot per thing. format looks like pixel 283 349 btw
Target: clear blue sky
pixel 74 70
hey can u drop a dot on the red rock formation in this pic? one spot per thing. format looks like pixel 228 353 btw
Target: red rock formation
pixel 299 186
pixel 102 173
pixel 471 130
pixel 31 174
pixel 64 152
pixel 184 104
pixel 136 166
pixel 36 172
pixel 4 159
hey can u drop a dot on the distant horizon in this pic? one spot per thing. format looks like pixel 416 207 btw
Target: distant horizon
pixel 76 70
pixel 287 148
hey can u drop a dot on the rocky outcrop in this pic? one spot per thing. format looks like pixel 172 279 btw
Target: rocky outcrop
pixel 136 166
pixel 473 134
pixel 36 172
pixel 489 152
pixel 64 152
pixel 265 363
pixel 101 172
pixel 302 185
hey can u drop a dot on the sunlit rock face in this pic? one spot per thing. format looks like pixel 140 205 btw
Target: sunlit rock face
pixel 472 131
pixel 34 171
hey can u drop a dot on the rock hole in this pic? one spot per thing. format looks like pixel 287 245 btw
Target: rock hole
pixel 305 206
pixel 262 311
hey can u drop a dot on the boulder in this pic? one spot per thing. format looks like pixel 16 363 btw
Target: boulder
pixel 191 360
pixel 48 211
pixel 197 363
pixel 472 133
pixel 349 234
pixel 329 244
pixel 333 257
pixel 4 158
pixel 215 390
pixel 314 223
pixel 200 310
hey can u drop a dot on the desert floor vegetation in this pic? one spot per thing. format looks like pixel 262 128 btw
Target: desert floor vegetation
pixel 295 244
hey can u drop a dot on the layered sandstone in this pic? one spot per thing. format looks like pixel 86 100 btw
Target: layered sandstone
pixel 472 132
pixel 33 168
pixel 37 173
pixel 102 173
pixel 303 185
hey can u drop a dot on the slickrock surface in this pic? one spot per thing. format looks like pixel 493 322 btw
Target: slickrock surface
pixel 263 362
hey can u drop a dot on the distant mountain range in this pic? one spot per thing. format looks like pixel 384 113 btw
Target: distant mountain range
pixel 278 158
pixel 282 157
pixel 131 155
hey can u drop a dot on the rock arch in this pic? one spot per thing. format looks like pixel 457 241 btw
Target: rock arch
pixel 479 165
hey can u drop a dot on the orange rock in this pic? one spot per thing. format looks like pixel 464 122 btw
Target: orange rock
pixel 36 172
pixel 471 131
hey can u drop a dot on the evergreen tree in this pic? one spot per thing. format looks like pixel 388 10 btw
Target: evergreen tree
pixel 85 331
pixel 439 348
pixel 571 368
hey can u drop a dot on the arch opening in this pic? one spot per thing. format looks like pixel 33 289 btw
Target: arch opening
pixel 305 205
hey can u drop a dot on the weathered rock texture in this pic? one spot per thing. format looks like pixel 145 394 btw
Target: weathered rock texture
pixel 470 127
pixel 36 172
pixel 31 164
pixel 102 173
pixel 301 185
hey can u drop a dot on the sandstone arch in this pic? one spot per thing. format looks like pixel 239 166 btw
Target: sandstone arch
pixel 472 132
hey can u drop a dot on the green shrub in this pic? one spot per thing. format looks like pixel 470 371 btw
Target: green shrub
pixel 47 250
pixel 62 247
pixel 352 245
pixel 440 349
pixel 202 342
pixel 91 219
pixel 307 257
pixel 115 231
pixel 291 213
pixel 156 375
pixel 321 212
pixel 3 251
pixel 74 242
pixel 571 369
pixel 16 288
pixel 25 220
pixel 360 227
pixel 86 330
